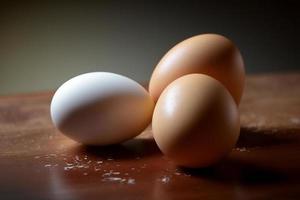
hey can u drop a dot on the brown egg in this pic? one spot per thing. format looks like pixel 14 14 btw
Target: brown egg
pixel 209 54
pixel 196 121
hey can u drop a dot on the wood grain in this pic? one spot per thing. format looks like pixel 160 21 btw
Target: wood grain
pixel 37 162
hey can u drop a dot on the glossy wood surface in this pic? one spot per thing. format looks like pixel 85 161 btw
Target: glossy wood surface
pixel 37 162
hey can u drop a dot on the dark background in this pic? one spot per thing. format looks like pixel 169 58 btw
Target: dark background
pixel 44 43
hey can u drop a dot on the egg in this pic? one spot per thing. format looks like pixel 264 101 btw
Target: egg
pixel 101 108
pixel 209 54
pixel 195 121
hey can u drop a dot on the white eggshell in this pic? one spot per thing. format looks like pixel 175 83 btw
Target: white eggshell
pixel 101 108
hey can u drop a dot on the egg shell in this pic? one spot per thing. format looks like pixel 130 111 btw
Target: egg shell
pixel 196 121
pixel 209 54
pixel 101 108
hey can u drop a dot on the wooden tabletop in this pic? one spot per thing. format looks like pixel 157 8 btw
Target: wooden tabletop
pixel 37 162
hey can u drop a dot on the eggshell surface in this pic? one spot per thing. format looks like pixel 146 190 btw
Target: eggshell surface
pixel 196 121
pixel 209 54
pixel 101 108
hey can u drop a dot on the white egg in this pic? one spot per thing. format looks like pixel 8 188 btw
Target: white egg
pixel 101 108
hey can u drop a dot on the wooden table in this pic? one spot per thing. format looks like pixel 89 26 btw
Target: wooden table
pixel 37 162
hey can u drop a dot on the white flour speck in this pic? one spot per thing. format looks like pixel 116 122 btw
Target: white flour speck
pixel 69 164
pixel 106 174
pixel 112 179
pixel 123 180
pixel 97 169
pixel 165 179
pixel 242 149
pixel 131 181
pixel 68 168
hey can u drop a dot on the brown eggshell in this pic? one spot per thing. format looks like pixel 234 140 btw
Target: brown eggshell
pixel 209 54
pixel 195 121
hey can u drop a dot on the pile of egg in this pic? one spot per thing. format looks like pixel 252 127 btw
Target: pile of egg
pixel 193 99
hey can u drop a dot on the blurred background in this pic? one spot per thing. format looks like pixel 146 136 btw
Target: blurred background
pixel 44 43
